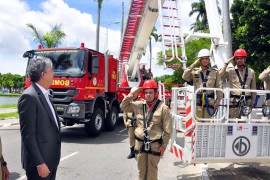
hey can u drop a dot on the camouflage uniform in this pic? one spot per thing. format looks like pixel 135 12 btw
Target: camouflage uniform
pixel 231 76
pixel 160 128
pixel 214 81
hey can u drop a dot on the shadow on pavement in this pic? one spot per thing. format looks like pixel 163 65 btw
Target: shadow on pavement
pixel 240 173
pixel 77 134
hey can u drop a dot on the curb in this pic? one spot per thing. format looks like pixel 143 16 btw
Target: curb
pixel 8 124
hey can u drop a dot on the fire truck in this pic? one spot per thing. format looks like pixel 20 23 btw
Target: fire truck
pixel 85 86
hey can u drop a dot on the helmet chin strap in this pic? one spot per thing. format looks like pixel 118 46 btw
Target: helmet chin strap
pixel 152 101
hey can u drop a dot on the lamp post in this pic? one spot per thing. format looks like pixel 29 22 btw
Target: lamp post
pixel 106 35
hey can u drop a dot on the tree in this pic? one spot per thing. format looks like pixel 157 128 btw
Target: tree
pixel 50 39
pixel 155 36
pixel 13 82
pixel 250 30
pixel 98 23
pixel 201 23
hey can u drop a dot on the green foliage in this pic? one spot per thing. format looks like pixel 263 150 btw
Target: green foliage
pixel 192 49
pixel 8 106
pixel 250 30
pixel 201 23
pixel 50 39
pixel 13 82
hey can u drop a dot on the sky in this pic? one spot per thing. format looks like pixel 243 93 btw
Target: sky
pixel 78 19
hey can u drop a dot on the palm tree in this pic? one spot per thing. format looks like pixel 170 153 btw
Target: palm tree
pixel 50 39
pixel 155 36
pixel 98 23
pixel 201 23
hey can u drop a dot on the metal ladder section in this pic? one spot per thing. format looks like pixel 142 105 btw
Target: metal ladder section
pixel 171 32
pixel 136 9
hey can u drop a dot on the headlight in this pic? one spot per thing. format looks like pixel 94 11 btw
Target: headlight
pixel 73 109
pixel 246 110
pixel 266 110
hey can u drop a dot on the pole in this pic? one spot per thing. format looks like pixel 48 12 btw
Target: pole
pixel 227 27
pixel 106 36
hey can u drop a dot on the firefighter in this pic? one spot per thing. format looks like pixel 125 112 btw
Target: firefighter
pixel 208 77
pixel 153 129
pixel 149 74
pixel 143 72
pixel 130 122
pixel 239 77
pixel 265 77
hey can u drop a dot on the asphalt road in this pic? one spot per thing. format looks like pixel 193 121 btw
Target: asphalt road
pixel 98 158
pixel 104 158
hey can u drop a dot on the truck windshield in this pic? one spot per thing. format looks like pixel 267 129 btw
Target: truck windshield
pixel 68 63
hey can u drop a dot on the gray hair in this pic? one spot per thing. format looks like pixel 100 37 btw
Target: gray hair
pixel 37 66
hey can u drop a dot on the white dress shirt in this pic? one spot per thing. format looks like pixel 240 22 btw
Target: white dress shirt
pixel 46 94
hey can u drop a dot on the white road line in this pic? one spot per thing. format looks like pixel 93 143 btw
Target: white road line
pixel 204 168
pixel 62 159
pixel 123 130
pixel 68 156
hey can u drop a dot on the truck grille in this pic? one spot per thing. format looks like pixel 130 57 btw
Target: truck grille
pixel 62 95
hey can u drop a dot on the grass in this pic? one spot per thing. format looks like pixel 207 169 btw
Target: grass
pixel 9 115
pixel 8 106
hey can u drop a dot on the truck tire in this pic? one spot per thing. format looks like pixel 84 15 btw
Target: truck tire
pixel 95 126
pixel 111 119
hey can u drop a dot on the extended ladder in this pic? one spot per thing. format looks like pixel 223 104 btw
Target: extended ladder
pixel 171 32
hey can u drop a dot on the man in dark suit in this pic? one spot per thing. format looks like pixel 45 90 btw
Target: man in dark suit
pixel 39 123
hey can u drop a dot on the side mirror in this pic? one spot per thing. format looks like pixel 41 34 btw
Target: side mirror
pixel 28 54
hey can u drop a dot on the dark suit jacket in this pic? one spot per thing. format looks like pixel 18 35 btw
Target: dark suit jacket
pixel 41 139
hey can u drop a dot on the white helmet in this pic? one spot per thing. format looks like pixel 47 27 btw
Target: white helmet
pixel 203 53
pixel 133 89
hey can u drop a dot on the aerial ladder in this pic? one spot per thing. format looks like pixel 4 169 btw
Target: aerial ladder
pixel 141 19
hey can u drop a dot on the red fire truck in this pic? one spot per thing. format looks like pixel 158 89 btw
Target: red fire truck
pixel 85 86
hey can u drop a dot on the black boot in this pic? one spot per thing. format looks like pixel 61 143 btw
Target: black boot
pixel 132 153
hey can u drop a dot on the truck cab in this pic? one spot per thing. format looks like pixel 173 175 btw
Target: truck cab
pixel 84 86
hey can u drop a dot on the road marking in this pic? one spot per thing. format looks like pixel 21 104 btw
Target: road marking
pixel 68 156
pixel 123 130
pixel 62 159
pixel 204 168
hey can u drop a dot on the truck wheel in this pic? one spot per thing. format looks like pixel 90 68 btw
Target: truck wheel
pixel 94 127
pixel 111 119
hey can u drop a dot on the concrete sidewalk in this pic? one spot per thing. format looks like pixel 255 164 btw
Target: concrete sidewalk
pixel 8 110
pixel 9 122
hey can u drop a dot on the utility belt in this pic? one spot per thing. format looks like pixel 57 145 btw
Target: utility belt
pixel 133 121
pixel 239 97
pixel 209 106
pixel 236 104
pixel 212 95
pixel 149 151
